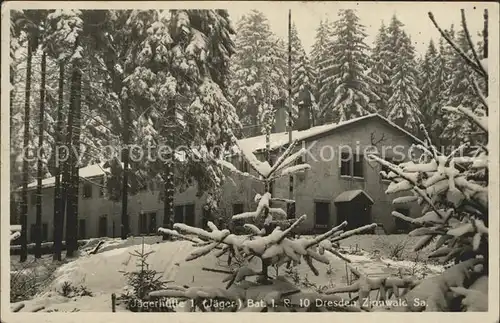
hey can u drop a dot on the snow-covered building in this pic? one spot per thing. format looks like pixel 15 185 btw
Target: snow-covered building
pixel 339 186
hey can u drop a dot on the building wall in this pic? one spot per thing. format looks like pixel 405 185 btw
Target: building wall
pixel 91 209
pixel 322 182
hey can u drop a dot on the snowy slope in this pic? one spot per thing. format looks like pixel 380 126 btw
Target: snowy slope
pixel 100 272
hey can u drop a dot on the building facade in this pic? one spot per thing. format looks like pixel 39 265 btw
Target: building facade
pixel 342 184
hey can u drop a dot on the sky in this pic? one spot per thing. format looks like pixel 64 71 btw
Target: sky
pixel 307 15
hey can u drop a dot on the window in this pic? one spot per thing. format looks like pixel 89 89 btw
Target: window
pixel 290 210
pixel 351 165
pixel 101 189
pixel 103 226
pixel 82 229
pixel 45 232
pixel 345 164
pixel 189 214
pixel 322 214
pixel 33 233
pixel 179 214
pixel 184 214
pixel 87 190
pixel 357 166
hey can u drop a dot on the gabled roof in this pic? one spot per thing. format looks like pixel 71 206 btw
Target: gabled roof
pixel 280 139
pixel 348 196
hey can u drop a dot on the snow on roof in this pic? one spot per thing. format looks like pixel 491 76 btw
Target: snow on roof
pixel 85 172
pixel 348 196
pixel 280 139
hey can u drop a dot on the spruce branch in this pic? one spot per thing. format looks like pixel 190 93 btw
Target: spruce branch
pixel 417 189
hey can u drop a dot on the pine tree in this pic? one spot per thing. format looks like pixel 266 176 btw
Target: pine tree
pixel 441 77
pixel 303 77
pixel 257 68
pixel 319 54
pixel 346 88
pixel 402 105
pixel 178 87
pixel 430 84
pixel 380 70
pixel 460 91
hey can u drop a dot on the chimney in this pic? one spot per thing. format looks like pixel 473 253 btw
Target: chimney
pixel 280 119
pixel 304 118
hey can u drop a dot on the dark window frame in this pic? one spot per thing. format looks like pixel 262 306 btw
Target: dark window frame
pixel 358 166
pixel 345 164
pixel 183 214
pixel 352 165
pixel 291 210
pixel 87 190
pixel 101 189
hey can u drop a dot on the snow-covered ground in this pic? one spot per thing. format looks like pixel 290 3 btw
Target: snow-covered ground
pixel 100 272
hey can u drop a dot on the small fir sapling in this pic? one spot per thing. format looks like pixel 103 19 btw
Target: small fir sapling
pixel 142 281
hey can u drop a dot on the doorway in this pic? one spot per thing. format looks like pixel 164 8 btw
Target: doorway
pixel 103 226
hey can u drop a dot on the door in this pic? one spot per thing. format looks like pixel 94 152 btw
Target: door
pixel 143 223
pixel 322 216
pixel 103 226
pixel 189 214
pixel 356 214
pixel 82 229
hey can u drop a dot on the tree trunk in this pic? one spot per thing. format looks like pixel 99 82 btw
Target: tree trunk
pixel 125 226
pixel 58 201
pixel 168 202
pixel 70 176
pixel 24 193
pixel 39 175
pixel 75 143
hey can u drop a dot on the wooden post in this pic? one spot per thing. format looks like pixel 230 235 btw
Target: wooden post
pixel 290 187
pixel 113 302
